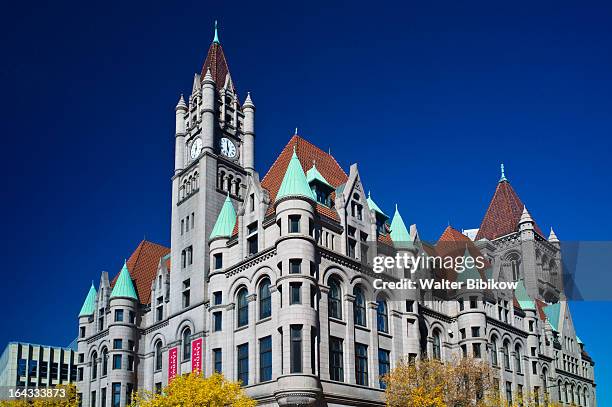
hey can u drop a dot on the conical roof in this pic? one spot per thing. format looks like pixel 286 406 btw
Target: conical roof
pixel 471 272
pixel 399 232
pixel 124 287
pixel 216 62
pixel 314 175
pixel 375 207
pixel 89 306
pixel 524 300
pixel 552 312
pixel 294 182
pixel 225 221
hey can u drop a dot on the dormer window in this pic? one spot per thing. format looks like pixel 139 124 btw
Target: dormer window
pixel 357 210
pixel 320 187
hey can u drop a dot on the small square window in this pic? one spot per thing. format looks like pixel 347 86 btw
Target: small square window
pixel 217 295
pixel 295 266
pixel 118 315
pixel 475 332
pixel 117 344
pixel 294 224
pixel 295 293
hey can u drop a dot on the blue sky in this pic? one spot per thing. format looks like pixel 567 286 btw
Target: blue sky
pixel 438 92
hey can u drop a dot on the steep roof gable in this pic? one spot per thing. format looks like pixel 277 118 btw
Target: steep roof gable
pixel 143 263
pixel 503 214
pixel 375 207
pixel 399 232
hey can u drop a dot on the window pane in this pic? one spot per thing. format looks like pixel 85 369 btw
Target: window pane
pixel 265 359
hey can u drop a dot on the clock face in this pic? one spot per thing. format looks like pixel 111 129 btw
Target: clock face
pixel 196 148
pixel 228 148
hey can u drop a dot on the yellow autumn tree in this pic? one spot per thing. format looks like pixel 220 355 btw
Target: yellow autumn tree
pixel 194 390
pixel 66 397
pixel 418 383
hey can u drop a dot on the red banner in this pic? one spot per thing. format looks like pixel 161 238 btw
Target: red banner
pixel 172 363
pixel 196 355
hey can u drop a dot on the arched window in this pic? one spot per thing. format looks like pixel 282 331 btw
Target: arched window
pixel 104 361
pixel 494 351
pixel 517 358
pixel 360 308
pixel 382 317
pixel 158 355
pixel 506 352
pixel 94 365
pixel 545 382
pixel 187 344
pixel 561 391
pixel 437 345
pixel 243 307
pixel 265 301
pixel 335 305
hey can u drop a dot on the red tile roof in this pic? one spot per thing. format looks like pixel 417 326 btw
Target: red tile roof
pixel 142 266
pixel 215 60
pixel 503 215
pixel 453 243
pixel 307 154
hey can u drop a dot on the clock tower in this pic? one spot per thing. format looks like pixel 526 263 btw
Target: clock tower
pixel 214 157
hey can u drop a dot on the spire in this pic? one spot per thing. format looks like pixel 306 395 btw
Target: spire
pixel 552 238
pixel 399 232
pixel 124 287
pixel 294 182
pixel 224 226
pixel 216 38
pixel 375 207
pixel 296 132
pixel 525 216
pixel 181 105
pixel 89 306
pixel 248 101
pixel 503 174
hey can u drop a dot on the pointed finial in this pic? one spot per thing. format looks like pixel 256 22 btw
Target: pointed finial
pixel 503 174
pixel 396 208
pixel 525 217
pixel 296 132
pixel 369 196
pixel 294 149
pixel 216 39
pixel 553 237
pixel 181 105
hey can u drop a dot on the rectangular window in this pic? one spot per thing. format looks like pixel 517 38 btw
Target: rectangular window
pixel 336 359
pixel 217 298
pixel 476 350
pixel 361 364
pixel 531 326
pixel 117 343
pixel 103 397
pixel 158 388
pixel 243 363
pixel 295 296
pixel 80 374
pixel 351 248
pixel 461 304
pixel 129 387
pixel 473 302
pixel 534 367
pixel 475 332
pixel 265 359
pixel 409 305
pixel 116 394
pixel 252 245
pixel 218 259
pixel 218 360
pixel 295 266
pixel 186 293
pixel 130 363
pixel 132 317
pixel 509 392
pixel 294 223
pixel 130 345
pixel 182 226
pixel 159 314
pixel 296 349
pixel 384 366
pixel 82 332
pixel 118 315
pixel 116 362
pixel 464 351
pixel 93 399
pixel 217 321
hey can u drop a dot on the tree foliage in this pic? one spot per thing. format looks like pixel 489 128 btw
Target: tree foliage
pixel 461 382
pixel 194 390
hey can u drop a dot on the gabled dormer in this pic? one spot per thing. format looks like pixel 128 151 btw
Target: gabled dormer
pixel 321 189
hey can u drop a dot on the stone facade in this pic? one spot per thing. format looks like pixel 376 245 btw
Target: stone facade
pixel 280 300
